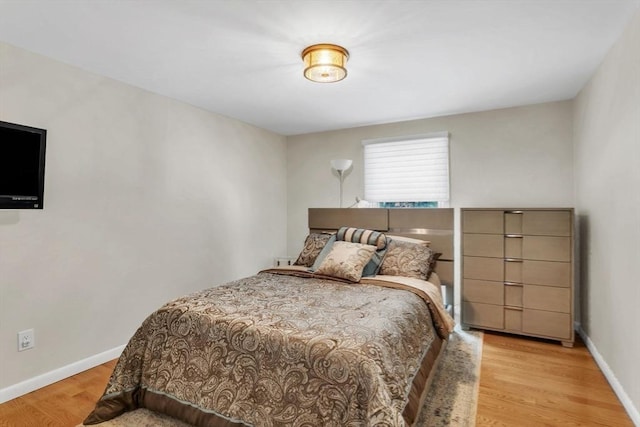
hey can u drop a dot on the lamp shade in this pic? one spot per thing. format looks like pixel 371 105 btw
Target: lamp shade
pixel 325 63
pixel 341 165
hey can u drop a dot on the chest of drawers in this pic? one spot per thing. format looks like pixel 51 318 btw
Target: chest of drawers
pixel 517 271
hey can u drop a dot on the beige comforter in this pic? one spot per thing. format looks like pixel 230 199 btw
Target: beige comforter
pixel 280 350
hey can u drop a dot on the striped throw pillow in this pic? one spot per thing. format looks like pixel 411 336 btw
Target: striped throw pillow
pixel 362 235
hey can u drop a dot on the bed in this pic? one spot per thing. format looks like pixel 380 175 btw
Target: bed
pixel 300 345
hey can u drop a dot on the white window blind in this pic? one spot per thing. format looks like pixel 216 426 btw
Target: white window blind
pixel 414 169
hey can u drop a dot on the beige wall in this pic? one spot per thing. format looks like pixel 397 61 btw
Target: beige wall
pixel 607 153
pixel 146 199
pixel 520 157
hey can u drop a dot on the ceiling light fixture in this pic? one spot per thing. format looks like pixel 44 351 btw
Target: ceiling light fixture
pixel 325 63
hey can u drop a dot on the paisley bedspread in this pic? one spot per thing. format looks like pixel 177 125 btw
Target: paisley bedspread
pixel 278 350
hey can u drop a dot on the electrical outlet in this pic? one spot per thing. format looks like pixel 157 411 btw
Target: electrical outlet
pixel 26 340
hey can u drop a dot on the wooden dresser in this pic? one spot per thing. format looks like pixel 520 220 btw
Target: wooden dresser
pixel 517 271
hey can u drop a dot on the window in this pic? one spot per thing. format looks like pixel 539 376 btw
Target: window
pixel 407 172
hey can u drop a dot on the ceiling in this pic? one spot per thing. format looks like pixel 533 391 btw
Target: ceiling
pixel 409 59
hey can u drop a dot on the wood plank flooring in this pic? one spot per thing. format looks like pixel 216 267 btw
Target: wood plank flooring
pixel 62 404
pixel 523 382
pixel 528 382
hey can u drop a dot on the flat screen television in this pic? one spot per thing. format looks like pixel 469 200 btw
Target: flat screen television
pixel 22 155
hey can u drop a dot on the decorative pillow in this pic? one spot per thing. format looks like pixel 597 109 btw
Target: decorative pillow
pixel 371 269
pixel 313 244
pixel 373 266
pixel 362 235
pixel 346 260
pixel 432 264
pixel 323 253
pixel 407 259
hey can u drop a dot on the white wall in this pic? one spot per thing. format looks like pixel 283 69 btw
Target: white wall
pixel 607 156
pixel 146 199
pixel 514 157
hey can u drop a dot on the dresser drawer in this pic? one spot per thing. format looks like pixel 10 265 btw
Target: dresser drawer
pixel 483 268
pixel 547 298
pixel 546 273
pixel 512 320
pixel 486 315
pixel 546 223
pixel 483 245
pixel 538 223
pixel 513 295
pixel 512 246
pixel 487 222
pixel 483 291
pixel 547 323
pixel 546 248
pixel 513 222
pixel 513 271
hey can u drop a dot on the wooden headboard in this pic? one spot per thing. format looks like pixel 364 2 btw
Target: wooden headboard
pixel 434 225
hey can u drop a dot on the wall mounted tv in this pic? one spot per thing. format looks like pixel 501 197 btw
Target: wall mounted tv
pixel 22 154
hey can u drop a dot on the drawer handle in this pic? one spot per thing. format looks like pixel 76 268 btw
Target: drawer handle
pixel 510 307
pixel 512 260
pixel 512 284
pixel 514 212
pixel 514 236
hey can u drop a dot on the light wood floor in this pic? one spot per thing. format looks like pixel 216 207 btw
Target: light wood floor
pixel 522 382
pixel 527 382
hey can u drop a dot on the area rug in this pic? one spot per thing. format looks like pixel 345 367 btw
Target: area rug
pixel 452 400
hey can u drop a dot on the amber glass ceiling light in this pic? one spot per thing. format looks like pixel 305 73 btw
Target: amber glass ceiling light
pixel 325 63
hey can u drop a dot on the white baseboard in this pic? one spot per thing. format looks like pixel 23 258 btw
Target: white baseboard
pixel 613 381
pixel 51 377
